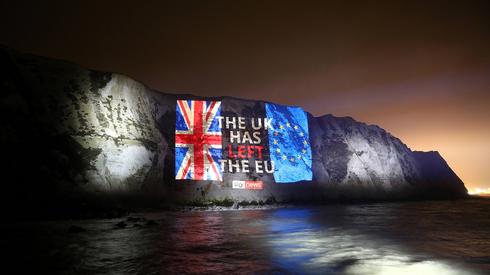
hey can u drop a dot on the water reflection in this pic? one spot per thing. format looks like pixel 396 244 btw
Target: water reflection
pixel 298 245
pixel 407 238
pixel 199 242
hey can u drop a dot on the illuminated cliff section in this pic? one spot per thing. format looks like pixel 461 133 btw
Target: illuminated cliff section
pixel 98 124
pixel 362 160
pixel 117 119
pixel 70 131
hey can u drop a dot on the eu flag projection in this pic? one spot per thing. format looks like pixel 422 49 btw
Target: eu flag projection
pixel 289 143
pixel 197 140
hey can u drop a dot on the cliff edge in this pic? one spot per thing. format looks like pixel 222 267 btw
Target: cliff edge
pixel 71 134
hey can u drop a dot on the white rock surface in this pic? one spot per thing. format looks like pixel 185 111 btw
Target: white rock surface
pixel 101 132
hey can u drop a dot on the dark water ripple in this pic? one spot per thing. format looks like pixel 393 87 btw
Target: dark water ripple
pixel 449 237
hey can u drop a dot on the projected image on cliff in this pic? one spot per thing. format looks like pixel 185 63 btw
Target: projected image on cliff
pixel 241 146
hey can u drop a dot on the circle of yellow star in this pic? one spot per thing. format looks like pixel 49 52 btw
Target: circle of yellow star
pixel 292 159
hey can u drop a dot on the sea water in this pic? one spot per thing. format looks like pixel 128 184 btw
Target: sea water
pixel 432 237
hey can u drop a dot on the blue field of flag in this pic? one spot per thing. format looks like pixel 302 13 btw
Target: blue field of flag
pixel 289 143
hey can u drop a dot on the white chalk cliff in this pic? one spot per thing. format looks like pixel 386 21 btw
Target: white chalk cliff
pixel 68 131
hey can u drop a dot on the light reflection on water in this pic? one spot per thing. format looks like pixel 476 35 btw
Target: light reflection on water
pixel 303 247
pixel 405 238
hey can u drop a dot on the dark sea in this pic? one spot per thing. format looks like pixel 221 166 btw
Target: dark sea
pixel 432 237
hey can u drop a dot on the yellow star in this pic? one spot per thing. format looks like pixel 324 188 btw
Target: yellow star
pixel 278 150
pixel 292 159
pixel 305 142
pixel 304 151
pixel 295 127
pixel 299 156
pixel 287 124
pixel 284 157
pixel 301 134
pixel 281 127
pixel 275 141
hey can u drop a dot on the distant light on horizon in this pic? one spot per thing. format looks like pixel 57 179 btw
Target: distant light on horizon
pixel 480 191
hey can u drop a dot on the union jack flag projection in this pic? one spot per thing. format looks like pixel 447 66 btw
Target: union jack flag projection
pixel 198 140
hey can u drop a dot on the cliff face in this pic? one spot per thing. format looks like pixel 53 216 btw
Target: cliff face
pixel 363 160
pixel 70 132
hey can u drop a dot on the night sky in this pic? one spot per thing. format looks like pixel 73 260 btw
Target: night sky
pixel 420 70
